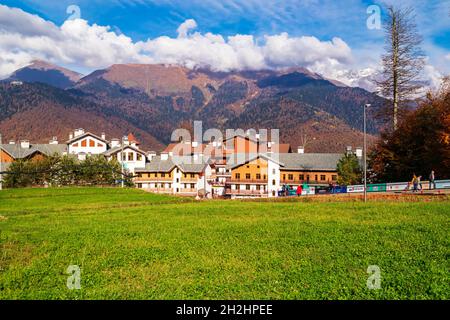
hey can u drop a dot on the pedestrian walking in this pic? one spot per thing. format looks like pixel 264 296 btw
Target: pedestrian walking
pixel 419 183
pixel 415 183
pixel 432 182
pixel 299 190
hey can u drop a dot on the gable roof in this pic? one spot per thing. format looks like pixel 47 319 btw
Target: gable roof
pixel 119 148
pixel 185 164
pixel 84 135
pixel 17 152
pixel 310 161
pixel 239 159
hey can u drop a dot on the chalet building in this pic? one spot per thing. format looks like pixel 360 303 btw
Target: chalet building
pixel 26 151
pixel 127 153
pixel 164 175
pixel 237 167
pixel 84 144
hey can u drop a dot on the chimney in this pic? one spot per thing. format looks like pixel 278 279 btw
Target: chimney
pixel 70 136
pixel 301 149
pixel 103 136
pixel 359 152
pixel 54 140
pixel 125 140
pixel 25 144
pixel 78 132
pixel 12 142
pixel 114 143
pixel 164 156
pixel 151 155
pixel 349 149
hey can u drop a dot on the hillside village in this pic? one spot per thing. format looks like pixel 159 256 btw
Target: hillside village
pixel 237 167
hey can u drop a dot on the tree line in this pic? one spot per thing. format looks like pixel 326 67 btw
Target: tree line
pixel 66 170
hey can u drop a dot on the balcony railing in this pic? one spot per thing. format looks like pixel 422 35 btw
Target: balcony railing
pixel 153 179
pixel 248 181
pixel 189 190
pixel 159 190
pixel 246 192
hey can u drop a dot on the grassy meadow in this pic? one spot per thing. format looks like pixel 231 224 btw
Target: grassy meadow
pixel 133 245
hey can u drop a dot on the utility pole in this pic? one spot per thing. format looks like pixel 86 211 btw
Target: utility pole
pixel 121 163
pixel 365 151
pixel 1 163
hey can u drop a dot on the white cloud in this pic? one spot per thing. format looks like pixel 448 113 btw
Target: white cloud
pixel 25 37
pixel 184 28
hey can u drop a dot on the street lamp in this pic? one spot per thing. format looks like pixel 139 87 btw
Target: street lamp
pixel 365 151
pixel 1 164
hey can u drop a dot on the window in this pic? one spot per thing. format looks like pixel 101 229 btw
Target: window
pixel 334 177
pixel 247 187
pixel 84 143
pixel 192 185
pixel 274 171
pixel 192 175
pixel 124 157
pixel 258 176
pixel 274 182
pixel 247 176
pixel 238 176
pixel 139 175
pixel 139 157
pixel 258 187
pixel 323 177
pixel 284 177
pixel 99 145
pixel 91 143
pixel 185 175
pixel 75 144
pixel 302 177
pixel 265 177
pixel 131 156
pixel 170 185
pixel 248 167
pixel 259 167
pixel 163 175
pixel 290 176
pixel 139 185
pixel 317 177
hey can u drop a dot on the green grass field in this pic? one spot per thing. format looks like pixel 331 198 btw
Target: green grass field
pixel 134 245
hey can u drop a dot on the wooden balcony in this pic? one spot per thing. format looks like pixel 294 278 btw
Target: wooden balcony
pixel 246 192
pixel 153 179
pixel 159 190
pixel 188 190
pixel 248 181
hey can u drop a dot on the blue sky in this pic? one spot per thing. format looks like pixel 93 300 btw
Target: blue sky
pixel 324 19
pixel 142 19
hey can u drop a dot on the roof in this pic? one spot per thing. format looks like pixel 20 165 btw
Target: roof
pixel 186 148
pixel 17 152
pixel 293 161
pixel 239 159
pixel 119 148
pixel 132 138
pixel 81 136
pixel 186 164
pixel 310 161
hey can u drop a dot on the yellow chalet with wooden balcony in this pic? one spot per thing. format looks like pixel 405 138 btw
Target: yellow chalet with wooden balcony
pixel 263 175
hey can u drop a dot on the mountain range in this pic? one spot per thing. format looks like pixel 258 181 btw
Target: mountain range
pixel 152 100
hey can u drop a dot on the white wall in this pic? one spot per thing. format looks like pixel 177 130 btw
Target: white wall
pixel 273 174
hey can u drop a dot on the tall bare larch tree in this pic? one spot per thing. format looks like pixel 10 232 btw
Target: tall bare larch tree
pixel 402 62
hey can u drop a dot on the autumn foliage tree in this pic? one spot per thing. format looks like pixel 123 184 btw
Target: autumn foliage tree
pixel 420 144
